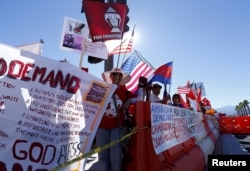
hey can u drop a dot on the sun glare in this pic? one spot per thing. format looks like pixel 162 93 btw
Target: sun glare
pixel 136 39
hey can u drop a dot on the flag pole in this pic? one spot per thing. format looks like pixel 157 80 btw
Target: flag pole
pixel 143 59
pixel 169 89
pixel 170 97
pixel 84 43
pixel 120 47
pixel 41 48
pixel 165 92
pixel 131 39
pixel 119 52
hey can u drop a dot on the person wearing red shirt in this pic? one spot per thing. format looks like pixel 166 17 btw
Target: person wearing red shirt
pixel 113 119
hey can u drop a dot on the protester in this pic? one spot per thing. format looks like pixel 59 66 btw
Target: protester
pixel 176 101
pixel 139 96
pixel 113 119
pixel 154 96
pixel 202 107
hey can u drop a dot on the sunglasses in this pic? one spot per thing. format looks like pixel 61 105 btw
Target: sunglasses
pixel 116 74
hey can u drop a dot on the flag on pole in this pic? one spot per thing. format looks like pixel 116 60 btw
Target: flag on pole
pixel 198 85
pixel 199 93
pixel 125 46
pixel 35 48
pixel 182 101
pixel 136 67
pixel 193 95
pixel 163 74
pixel 183 90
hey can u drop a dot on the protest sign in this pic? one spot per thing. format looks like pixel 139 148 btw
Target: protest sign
pixel 74 33
pixel 172 125
pixel 49 111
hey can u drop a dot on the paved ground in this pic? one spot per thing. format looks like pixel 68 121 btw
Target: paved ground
pixel 244 140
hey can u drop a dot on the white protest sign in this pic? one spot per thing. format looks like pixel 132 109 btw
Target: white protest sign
pixel 181 124
pixel 73 34
pixel 171 126
pixel 96 49
pixel 72 39
pixel 49 111
pixel 162 126
pixel 193 123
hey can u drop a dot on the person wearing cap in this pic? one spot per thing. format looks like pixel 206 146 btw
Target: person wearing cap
pixel 113 119
pixel 154 96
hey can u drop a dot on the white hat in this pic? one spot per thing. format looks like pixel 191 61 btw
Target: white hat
pixel 157 85
pixel 106 76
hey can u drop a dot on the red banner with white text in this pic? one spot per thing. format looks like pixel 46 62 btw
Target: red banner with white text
pixel 105 20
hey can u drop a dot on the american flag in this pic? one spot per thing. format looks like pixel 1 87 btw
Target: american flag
pixel 125 47
pixel 183 90
pixel 136 67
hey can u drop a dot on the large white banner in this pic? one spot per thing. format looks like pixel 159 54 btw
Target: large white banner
pixel 49 111
pixel 172 125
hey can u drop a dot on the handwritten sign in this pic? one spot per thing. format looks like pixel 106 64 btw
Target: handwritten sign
pixel 49 111
pixel 162 120
pixel 72 39
pixel 172 125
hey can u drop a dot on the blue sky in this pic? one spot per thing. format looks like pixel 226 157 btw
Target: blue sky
pixel 208 40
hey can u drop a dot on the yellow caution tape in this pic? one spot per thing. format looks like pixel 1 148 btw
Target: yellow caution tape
pixel 98 149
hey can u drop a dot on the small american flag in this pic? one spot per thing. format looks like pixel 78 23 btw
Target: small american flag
pixel 125 47
pixel 136 67
pixel 183 90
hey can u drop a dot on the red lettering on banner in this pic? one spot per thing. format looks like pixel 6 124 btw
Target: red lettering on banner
pixel 19 70
pixel 181 128
pixel 158 141
pixel 180 121
pixel 3 66
pixel 15 65
pixel 161 127
pixel 26 71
